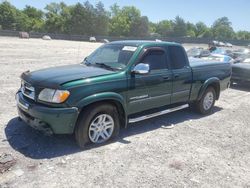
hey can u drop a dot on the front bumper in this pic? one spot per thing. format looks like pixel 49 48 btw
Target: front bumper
pixel 50 120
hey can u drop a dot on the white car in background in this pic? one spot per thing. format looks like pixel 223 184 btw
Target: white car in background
pixel 227 44
pixel 92 39
pixel 221 44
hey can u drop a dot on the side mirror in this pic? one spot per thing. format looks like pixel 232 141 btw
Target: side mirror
pixel 141 68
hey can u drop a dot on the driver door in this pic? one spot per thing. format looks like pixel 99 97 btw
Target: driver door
pixel 147 91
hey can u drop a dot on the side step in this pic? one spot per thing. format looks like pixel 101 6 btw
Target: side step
pixel 134 120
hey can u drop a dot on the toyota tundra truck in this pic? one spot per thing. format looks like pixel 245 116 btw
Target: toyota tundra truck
pixel 121 82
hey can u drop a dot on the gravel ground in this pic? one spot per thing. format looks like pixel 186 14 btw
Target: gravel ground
pixel 181 149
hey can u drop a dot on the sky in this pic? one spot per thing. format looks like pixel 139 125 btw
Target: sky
pixel 238 11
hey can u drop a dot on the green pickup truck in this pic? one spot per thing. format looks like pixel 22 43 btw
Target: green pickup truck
pixel 121 82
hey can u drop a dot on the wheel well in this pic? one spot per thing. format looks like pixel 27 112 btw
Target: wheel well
pixel 118 105
pixel 216 87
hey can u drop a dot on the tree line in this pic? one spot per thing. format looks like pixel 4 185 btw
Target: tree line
pixel 94 20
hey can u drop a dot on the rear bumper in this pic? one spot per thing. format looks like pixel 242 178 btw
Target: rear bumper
pixel 50 120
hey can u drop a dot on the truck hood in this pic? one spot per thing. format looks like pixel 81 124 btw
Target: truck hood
pixel 56 76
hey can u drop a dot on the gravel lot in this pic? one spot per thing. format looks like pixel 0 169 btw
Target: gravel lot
pixel 181 149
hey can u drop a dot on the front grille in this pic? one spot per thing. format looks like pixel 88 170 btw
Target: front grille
pixel 28 90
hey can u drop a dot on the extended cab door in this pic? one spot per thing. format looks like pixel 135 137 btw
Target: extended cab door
pixel 182 74
pixel 153 89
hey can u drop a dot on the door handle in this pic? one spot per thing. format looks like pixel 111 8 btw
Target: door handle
pixel 166 78
pixel 176 76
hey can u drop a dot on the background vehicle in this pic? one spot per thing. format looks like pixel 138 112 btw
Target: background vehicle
pixel 240 52
pixel 198 52
pixel 241 70
pixel 122 82
pixel 92 39
pixel 220 58
pixel 227 44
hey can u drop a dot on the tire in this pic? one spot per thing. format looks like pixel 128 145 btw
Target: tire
pixel 99 120
pixel 206 103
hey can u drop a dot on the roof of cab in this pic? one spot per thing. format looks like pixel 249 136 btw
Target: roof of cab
pixel 143 42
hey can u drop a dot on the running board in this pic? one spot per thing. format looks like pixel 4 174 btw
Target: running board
pixel 134 120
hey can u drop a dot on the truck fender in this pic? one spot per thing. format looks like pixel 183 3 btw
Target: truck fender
pixel 104 96
pixel 211 81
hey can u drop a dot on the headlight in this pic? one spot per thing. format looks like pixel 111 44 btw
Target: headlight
pixel 53 96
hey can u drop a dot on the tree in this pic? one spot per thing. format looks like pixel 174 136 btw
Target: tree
pixel 165 28
pixel 32 12
pixel 152 27
pixel 8 16
pixel 77 23
pixel 222 29
pixel 243 35
pixel 140 27
pixel 201 29
pixel 35 21
pixel 101 21
pixel 124 21
pixel 57 17
pixel 207 34
pixel 191 30
pixel 88 20
pixel 180 27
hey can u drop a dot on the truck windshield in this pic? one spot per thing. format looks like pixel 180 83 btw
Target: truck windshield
pixel 111 56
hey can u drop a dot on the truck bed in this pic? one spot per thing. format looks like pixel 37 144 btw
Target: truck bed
pixel 195 62
pixel 206 69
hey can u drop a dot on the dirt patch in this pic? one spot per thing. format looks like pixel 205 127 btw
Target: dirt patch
pixel 6 162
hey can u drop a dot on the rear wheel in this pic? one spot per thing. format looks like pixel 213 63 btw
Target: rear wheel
pixel 97 124
pixel 206 103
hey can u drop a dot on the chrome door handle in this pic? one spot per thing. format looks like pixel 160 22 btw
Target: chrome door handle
pixel 166 78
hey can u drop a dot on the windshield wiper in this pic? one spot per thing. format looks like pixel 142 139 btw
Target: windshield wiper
pixel 105 66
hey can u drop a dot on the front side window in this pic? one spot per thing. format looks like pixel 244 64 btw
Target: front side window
pixel 156 59
pixel 111 55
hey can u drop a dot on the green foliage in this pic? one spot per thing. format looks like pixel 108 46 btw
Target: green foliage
pixel 85 19
pixel 152 27
pixel 222 29
pixel 34 19
pixel 101 20
pixel 8 16
pixel 165 28
pixel 191 30
pixel 180 27
pixel 57 16
pixel 128 22
pixel 243 35
pixel 140 27
pixel 201 30
pixel 91 20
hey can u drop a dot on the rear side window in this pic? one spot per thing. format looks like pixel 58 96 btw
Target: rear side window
pixel 177 57
pixel 156 59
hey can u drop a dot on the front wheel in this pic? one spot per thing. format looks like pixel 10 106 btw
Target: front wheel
pixel 101 128
pixel 97 124
pixel 206 103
